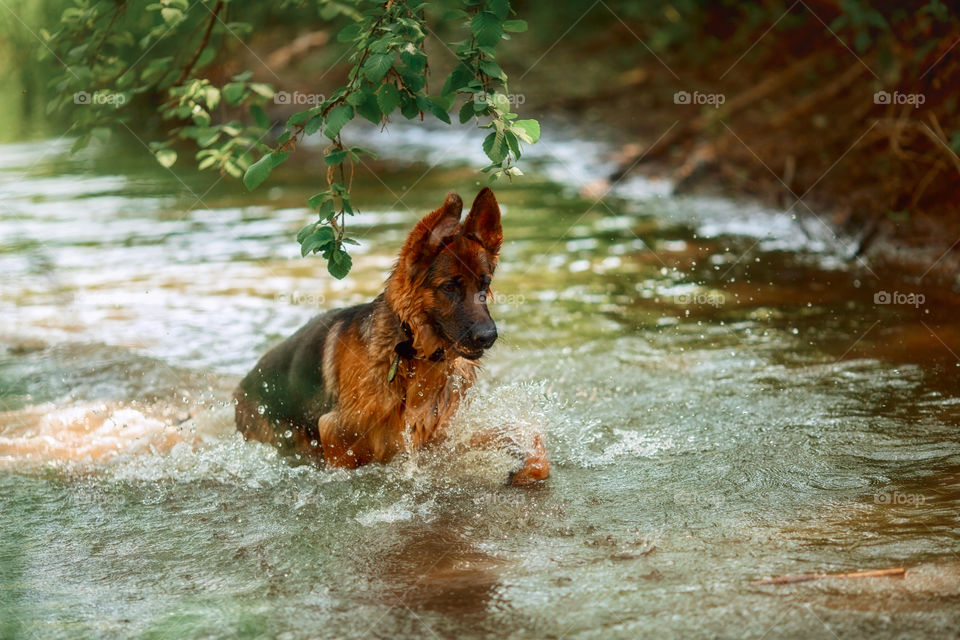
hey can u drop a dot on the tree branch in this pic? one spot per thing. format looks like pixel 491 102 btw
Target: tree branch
pixel 203 43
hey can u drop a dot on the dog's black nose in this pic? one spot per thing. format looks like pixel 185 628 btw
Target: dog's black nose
pixel 484 337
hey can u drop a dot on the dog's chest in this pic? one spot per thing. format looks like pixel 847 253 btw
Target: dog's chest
pixel 428 396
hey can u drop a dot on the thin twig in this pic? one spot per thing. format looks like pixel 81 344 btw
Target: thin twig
pixel 203 43
pixel 807 577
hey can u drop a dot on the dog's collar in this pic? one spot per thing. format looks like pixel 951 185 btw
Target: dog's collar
pixel 404 349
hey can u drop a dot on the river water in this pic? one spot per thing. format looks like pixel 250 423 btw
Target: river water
pixel 724 401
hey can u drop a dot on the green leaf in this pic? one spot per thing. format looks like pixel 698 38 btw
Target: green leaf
pixel 326 209
pixel 955 141
pixel 260 170
pixel 512 143
pixel 259 116
pixel 263 89
pixel 336 118
pixel 388 98
pixel 414 59
pixel 408 107
pixel 356 152
pixel 486 28
pixel 317 199
pixel 232 168
pixel 339 263
pixel 200 116
pixel 171 16
pixel 495 147
pixel 166 157
pixel 299 118
pixel 71 15
pixel 368 107
pixel 466 111
pixel 306 231
pixel 316 241
pixel 349 33
pixel 438 111
pixel 501 8
pixel 412 80
pixel 492 69
pixel 377 65
pixel 459 78
pixel 527 130
pixel 335 157
pixel 515 26
pixel 211 96
pixel 499 102
pixel 444 102
pixel 233 92
pixel 313 125
pixel 155 69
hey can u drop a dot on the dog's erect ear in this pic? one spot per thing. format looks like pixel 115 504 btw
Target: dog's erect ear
pixel 432 232
pixel 483 222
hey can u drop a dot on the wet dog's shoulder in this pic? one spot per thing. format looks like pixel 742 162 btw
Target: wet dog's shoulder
pixel 315 331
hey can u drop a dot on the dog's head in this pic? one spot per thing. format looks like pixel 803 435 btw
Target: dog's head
pixel 442 278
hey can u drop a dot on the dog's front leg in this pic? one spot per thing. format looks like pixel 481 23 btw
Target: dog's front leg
pixel 337 450
pixel 532 451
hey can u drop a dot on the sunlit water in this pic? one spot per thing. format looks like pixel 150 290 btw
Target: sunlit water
pixel 723 400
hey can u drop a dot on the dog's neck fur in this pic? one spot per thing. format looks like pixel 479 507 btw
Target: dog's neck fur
pixel 388 327
pixel 407 310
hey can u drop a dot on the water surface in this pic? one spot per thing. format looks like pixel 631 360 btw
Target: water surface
pixel 723 399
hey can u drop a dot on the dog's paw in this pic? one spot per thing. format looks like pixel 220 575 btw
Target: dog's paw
pixel 536 466
pixel 531 472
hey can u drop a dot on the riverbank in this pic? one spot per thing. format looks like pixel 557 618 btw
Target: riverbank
pixel 794 119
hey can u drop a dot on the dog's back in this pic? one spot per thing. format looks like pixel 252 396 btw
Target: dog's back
pixel 285 392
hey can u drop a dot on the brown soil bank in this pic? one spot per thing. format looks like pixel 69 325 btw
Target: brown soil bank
pixel 842 113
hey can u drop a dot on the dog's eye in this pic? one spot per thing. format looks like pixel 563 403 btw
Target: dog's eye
pixel 450 286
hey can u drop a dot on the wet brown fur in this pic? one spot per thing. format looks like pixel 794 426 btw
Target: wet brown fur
pixel 325 392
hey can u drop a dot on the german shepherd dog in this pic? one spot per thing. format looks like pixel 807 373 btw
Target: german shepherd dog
pixel 360 384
